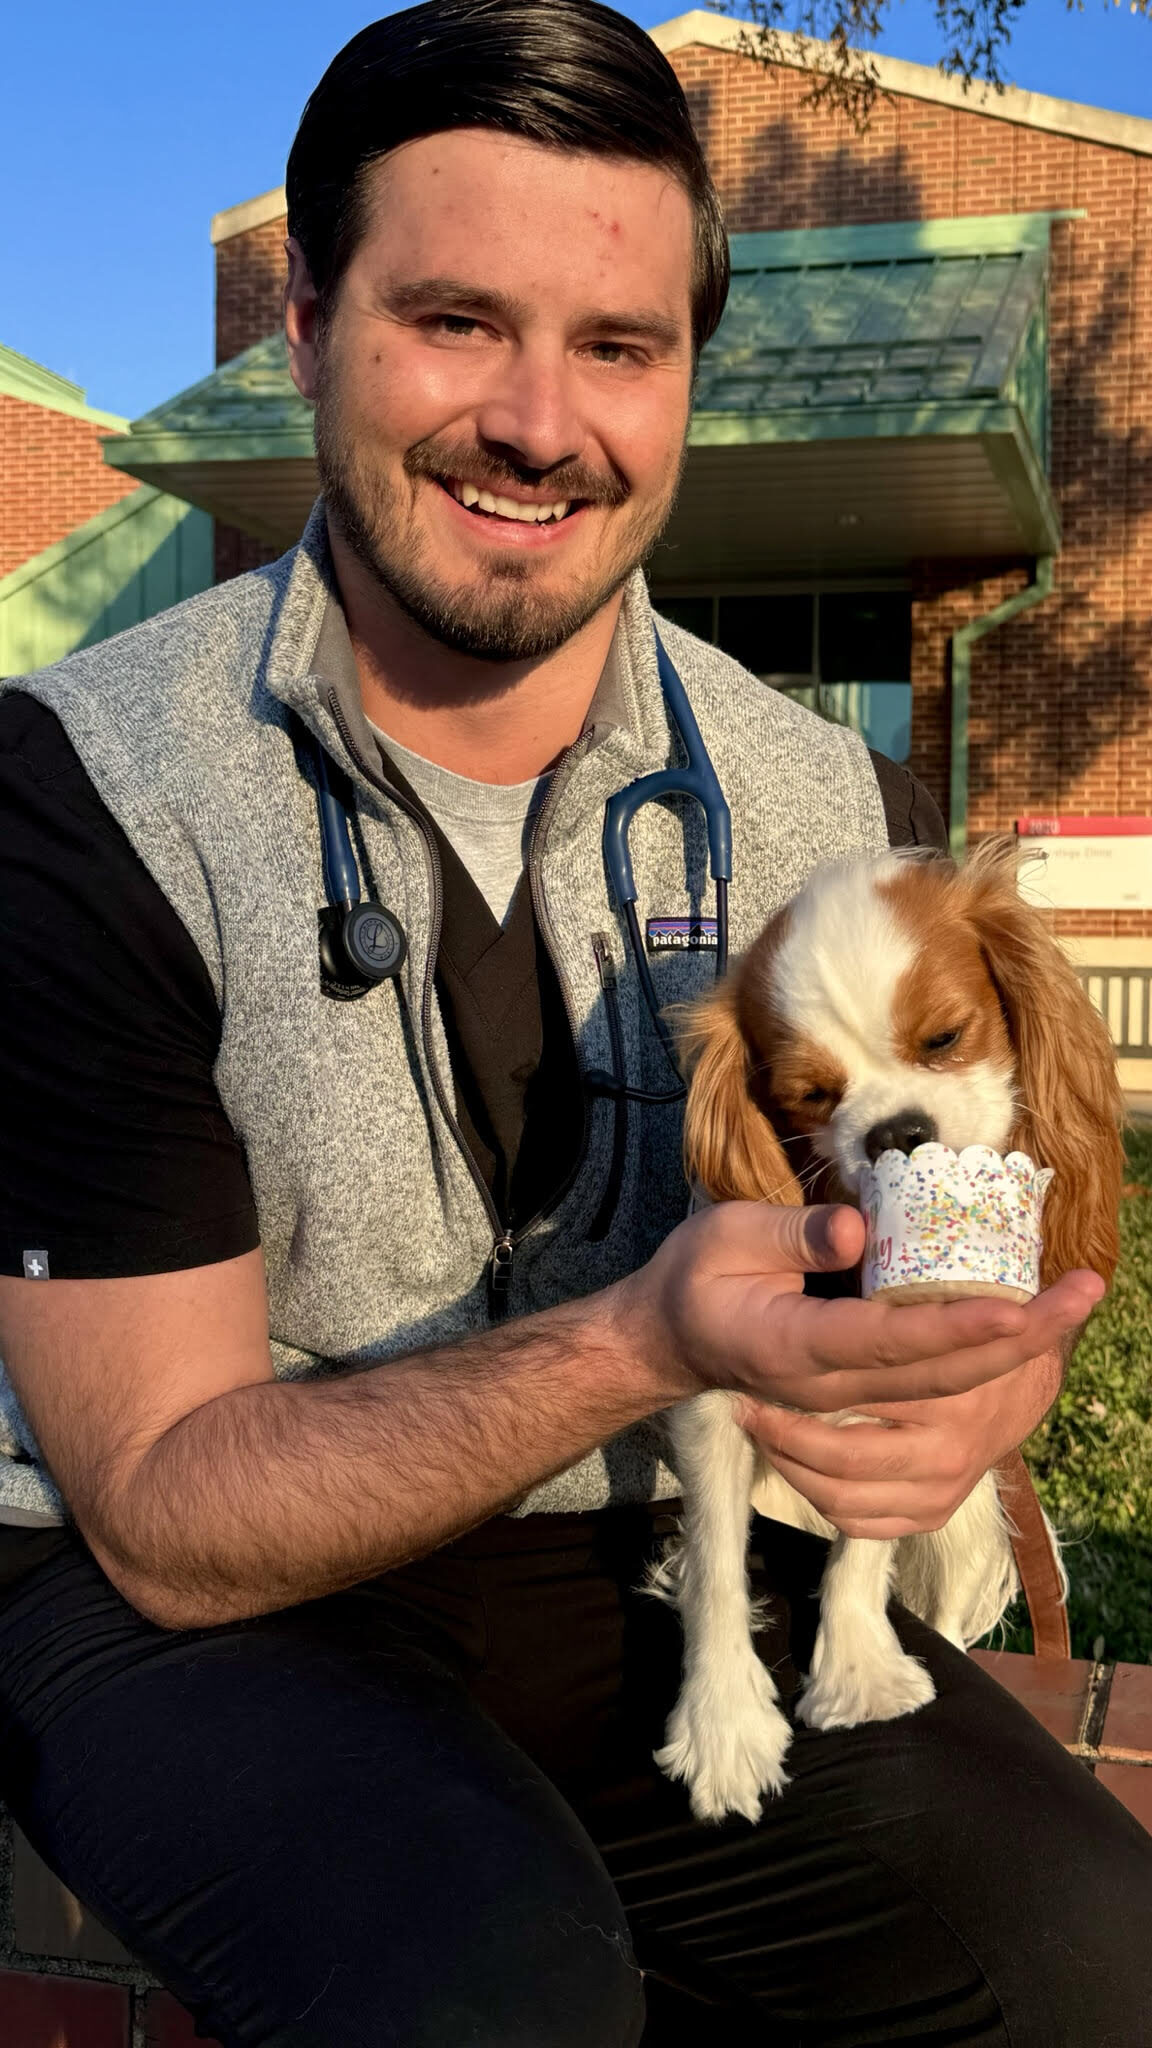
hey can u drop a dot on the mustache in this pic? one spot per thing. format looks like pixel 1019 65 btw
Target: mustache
pixel 488 471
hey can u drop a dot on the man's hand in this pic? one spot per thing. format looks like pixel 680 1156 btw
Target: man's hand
pixel 958 1383
pixel 912 1477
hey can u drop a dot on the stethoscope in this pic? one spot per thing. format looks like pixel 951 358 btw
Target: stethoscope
pixel 362 943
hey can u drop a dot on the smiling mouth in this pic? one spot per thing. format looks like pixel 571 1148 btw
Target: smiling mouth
pixel 495 505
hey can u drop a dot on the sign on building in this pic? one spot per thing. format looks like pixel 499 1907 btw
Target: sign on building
pixel 1087 863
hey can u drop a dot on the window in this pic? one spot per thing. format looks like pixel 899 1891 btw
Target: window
pixel 846 654
pixel 769 635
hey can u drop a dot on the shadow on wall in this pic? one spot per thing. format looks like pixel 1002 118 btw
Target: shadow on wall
pixel 1070 684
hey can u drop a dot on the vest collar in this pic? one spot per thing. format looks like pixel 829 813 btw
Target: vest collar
pixel 310 662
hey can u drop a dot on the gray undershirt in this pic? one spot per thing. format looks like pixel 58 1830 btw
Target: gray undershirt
pixel 489 824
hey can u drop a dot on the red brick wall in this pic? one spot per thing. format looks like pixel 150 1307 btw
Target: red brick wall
pixel 52 478
pixel 235 552
pixel 1062 698
pixel 250 274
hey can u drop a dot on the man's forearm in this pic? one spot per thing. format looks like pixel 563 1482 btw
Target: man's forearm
pixel 280 1492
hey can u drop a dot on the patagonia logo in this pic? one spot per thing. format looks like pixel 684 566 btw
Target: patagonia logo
pixel 681 935
pixel 36 1266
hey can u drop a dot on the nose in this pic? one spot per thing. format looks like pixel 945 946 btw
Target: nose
pixel 900 1133
pixel 530 411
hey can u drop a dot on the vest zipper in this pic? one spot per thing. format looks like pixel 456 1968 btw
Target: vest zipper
pixel 609 983
pixel 504 1239
pixel 500 1274
pixel 499 1234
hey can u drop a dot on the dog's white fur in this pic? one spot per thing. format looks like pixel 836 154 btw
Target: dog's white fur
pixel 727 1738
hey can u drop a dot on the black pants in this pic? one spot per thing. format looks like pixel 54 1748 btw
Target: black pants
pixel 425 1813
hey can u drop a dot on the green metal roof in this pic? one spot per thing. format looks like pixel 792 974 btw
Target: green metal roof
pixel 239 444
pixel 20 377
pixel 872 394
pixel 815 336
pixel 249 404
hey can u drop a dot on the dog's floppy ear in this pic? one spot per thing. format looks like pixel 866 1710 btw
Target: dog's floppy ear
pixel 731 1151
pixel 1071 1109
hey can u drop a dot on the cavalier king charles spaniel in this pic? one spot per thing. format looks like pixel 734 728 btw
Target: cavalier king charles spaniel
pixel 895 1001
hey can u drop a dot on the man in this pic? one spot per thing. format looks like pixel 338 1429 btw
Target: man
pixel 322 1673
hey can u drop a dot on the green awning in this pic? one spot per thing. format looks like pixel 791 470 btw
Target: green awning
pixel 873 396
pixel 238 444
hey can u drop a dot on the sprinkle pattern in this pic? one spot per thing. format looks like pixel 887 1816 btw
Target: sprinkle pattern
pixel 942 1215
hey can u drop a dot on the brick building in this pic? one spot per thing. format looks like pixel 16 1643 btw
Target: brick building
pixel 919 488
pixel 85 550
pixel 53 475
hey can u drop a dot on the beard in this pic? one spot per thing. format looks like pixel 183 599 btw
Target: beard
pixel 507 617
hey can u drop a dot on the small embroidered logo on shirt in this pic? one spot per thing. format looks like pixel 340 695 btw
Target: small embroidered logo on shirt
pixel 681 935
pixel 36 1266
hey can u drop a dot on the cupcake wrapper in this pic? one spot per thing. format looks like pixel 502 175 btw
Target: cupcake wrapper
pixel 943 1217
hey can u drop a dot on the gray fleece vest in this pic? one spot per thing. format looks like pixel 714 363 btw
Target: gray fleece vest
pixel 376 1235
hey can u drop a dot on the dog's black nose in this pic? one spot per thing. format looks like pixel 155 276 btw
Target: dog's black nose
pixel 900 1133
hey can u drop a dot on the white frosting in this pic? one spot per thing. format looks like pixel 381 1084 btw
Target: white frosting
pixel 939 1215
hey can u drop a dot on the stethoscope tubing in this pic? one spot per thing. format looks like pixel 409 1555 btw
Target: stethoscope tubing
pixel 696 778
pixel 341 874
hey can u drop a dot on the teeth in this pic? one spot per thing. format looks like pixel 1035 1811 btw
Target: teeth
pixel 509 508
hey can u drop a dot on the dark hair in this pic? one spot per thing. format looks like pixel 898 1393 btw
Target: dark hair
pixel 570 74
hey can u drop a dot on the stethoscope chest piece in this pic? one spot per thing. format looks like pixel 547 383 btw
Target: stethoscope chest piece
pixel 361 943
pixel 374 941
pixel 359 948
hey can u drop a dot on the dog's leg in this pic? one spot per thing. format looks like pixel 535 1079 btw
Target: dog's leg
pixel 959 1579
pixel 727 1736
pixel 859 1672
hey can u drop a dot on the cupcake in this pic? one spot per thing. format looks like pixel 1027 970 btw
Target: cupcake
pixel 943 1225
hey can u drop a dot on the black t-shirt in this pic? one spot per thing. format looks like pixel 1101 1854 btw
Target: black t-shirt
pixel 115 1149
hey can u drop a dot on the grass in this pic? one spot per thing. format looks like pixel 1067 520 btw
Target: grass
pixel 1091 1457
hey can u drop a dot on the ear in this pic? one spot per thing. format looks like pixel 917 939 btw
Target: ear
pixel 300 309
pixel 1071 1109
pixel 731 1151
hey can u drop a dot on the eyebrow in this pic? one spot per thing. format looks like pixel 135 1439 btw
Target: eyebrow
pixel 455 293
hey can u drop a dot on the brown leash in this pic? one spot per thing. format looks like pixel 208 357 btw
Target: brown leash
pixel 1035 1559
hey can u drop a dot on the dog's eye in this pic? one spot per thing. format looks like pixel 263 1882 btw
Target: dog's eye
pixel 942 1041
pixel 815 1096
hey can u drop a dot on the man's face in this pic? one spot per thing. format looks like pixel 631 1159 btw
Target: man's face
pixel 517 320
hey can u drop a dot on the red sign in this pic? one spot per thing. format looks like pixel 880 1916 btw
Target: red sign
pixel 1083 828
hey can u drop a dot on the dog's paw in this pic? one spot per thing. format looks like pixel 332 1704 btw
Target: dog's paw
pixel 727 1742
pixel 878 1682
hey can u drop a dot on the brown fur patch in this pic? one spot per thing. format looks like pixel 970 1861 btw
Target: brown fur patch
pixel 784 1064
pixel 948 987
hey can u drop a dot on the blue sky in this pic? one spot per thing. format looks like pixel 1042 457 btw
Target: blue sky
pixel 128 125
